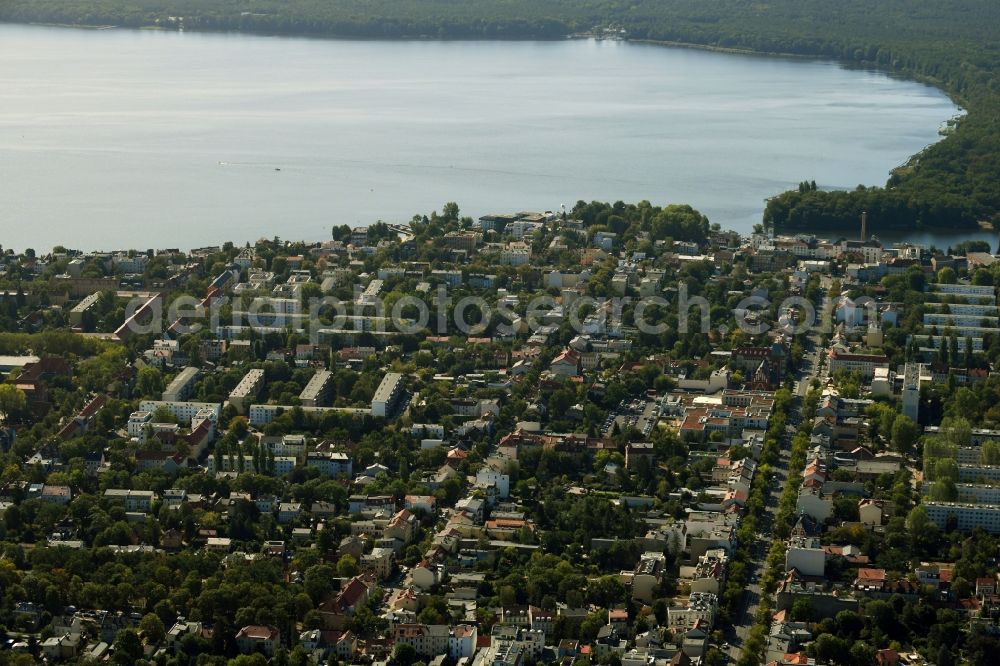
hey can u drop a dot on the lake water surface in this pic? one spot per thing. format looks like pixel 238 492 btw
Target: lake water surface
pixel 121 138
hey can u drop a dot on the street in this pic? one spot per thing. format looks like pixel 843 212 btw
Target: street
pixel 810 368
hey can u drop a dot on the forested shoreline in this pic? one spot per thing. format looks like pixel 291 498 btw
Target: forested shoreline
pixel 954 183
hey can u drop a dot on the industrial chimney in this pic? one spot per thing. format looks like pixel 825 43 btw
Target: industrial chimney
pixel 864 223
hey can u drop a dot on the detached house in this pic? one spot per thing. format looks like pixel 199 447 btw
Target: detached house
pixel 257 638
pixel 402 526
pixel 336 609
pixel 566 364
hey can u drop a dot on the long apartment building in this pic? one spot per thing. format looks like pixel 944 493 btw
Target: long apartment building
pixel 964 516
pixel 731 413
pixel 970 292
pixel 967 309
pixel 979 435
pixel 972 493
pixel 183 411
pixel 933 343
pixel 247 390
pixel 261 415
pixel 945 320
pixel 387 395
pixel 317 391
pixel 862 361
pixel 80 309
pixel 181 387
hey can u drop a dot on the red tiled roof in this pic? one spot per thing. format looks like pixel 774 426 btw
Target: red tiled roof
pixel 350 595
pixel 93 406
pixel 258 632
pixel 871 574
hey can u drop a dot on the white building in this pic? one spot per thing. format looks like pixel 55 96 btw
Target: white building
pixel 515 254
pixel 379 562
pixel 963 516
pixel 78 311
pixel 982 293
pixel 433 430
pixel 806 556
pixel 882 382
pixel 132 500
pixel 488 476
pixel 647 575
pixel 317 391
pixel 276 305
pixel 184 412
pixel 428 640
pixel 261 415
pixel 247 390
pixel 814 503
pixel 864 363
pixel 137 422
pixel 462 641
pixel 914 376
pixel 182 385
pixel 701 606
pixel 942 320
pixel 285 445
pixel 254 638
pixel 330 463
pixel 387 394
pixel 124 263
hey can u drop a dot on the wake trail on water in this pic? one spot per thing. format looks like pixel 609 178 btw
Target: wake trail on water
pixel 427 167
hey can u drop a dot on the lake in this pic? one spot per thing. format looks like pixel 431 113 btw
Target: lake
pixel 149 139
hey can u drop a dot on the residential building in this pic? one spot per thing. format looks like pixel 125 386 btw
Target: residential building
pixel 331 463
pixel 50 493
pixel 462 641
pixel 184 412
pixel 387 395
pixel 489 476
pixel 133 500
pixel 805 555
pixel 247 390
pixel 181 386
pixel 80 310
pixel 700 607
pixel 814 503
pixel 648 575
pixel 317 391
pixel 379 561
pixel 258 638
pixel 427 640
pixel 913 379
pixel 963 516
pixel 856 361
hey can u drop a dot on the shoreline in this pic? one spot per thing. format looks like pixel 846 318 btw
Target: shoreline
pixel 909 163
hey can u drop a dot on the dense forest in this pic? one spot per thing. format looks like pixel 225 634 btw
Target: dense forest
pixel 950 43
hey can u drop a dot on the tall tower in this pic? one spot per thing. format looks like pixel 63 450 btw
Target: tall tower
pixel 911 391
pixel 864 223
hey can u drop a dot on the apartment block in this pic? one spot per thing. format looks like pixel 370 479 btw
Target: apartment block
pixel 247 390
pixel 317 391
pixel 181 387
pixel 387 395
pixel 963 516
